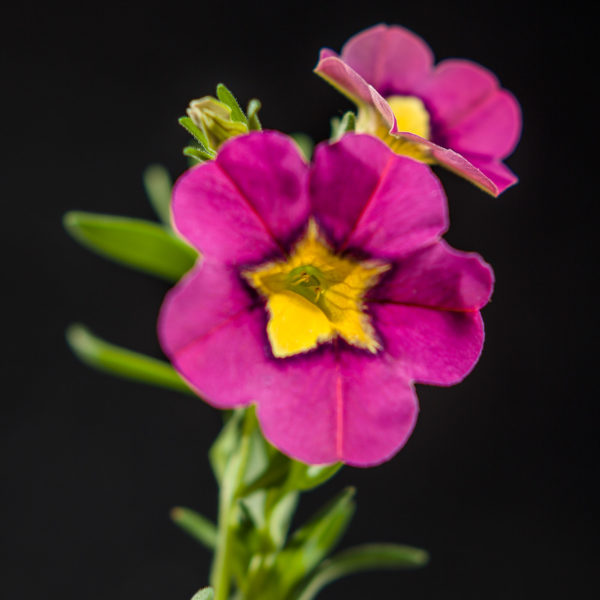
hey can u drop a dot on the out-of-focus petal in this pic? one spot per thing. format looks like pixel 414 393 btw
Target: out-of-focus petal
pixel 438 347
pixel 456 88
pixel 391 58
pixel 492 129
pixel 456 163
pixel 340 406
pixel 346 80
pixel 438 276
pixel 370 199
pixel 247 203
pixel 495 171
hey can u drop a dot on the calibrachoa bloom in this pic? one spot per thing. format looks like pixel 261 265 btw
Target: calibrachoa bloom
pixel 323 293
pixel 454 114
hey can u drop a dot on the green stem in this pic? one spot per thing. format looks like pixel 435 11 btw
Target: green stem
pixel 221 574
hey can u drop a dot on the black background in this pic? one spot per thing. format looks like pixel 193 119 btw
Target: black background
pixel 497 480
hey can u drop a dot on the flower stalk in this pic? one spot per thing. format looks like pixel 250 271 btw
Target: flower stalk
pixel 232 482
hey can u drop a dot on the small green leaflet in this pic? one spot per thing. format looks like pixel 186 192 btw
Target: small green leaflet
pixel 197 526
pixel 204 594
pixel 226 97
pixel 158 186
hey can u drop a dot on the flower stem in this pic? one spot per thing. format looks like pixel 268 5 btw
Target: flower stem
pixel 232 482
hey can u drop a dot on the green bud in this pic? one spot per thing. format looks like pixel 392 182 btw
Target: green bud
pixel 214 118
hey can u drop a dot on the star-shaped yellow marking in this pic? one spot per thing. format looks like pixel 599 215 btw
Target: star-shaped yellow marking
pixel 316 295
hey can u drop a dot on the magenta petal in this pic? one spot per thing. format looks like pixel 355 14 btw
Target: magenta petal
pixel 456 88
pixel 438 276
pixel 215 337
pixel 438 347
pixel 246 203
pixel 373 200
pixel 392 59
pixel 209 211
pixel 354 408
pixel 492 129
pixel 271 173
pixel 208 296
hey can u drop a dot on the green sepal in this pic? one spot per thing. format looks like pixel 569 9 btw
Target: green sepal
pixel 253 121
pixel 341 126
pixel 135 243
pixel 158 186
pixel 226 443
pixel 121 362
pixel 195 132
pixel 199 154
pixel 206 593
pixel 195 525
pixel 305 143
pixel 226 97
pixel 367 557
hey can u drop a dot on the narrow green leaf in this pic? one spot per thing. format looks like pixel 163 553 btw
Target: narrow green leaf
pixel 197 526
pixel 158 186
pixel 280 517
pixel 195 132
pixel 199 154
pixel 311 543
pixel 305 143
pixel 139 244
pixel 369 557
pixel 204 594
pixel 225 96
pixel 107 357
pixel 253 121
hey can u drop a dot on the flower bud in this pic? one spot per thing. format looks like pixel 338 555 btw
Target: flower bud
pixel 214 118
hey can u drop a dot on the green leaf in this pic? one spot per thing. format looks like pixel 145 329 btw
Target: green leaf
pixel 204 594
pixel 101 355
pixel 199 154
pixel 197 526
pixel 306 477
pixel 305 143
pixel 280 517
pixel 311 543
pixel 369 557
pixel 139 244
pixel 158 186
pixel 225 96
pixel 195 132
pixel 253 121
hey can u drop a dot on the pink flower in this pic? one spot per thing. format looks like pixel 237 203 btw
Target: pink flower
pixel 324 292
pixel 454 114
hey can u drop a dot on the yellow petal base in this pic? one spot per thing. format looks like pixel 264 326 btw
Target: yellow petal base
pixel 411 117
pixel 316 295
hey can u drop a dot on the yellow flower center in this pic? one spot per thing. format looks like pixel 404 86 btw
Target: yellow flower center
pixel 411 117
pixel 315 296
